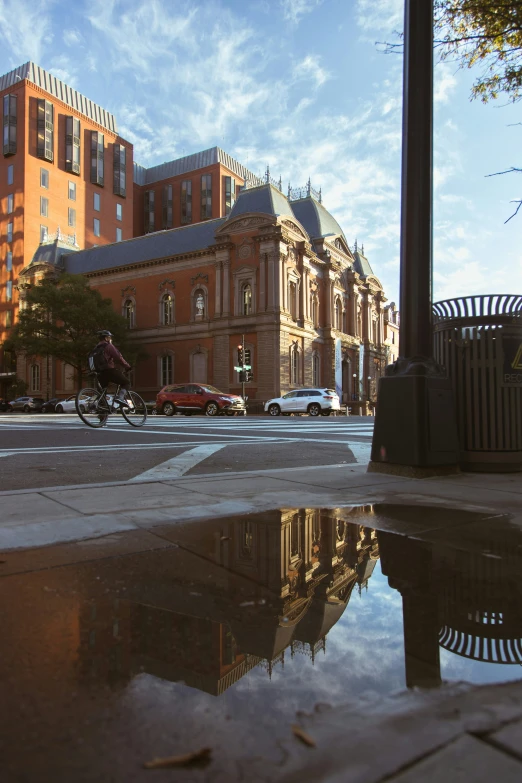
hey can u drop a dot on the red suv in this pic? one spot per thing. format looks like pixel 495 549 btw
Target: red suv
pixel 189 398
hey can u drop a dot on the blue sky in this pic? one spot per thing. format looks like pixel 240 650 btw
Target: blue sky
pixel 299 85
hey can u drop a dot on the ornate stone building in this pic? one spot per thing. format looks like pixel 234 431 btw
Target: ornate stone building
pixel 277 269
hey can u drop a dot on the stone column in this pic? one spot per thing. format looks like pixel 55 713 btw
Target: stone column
pixel 217 306
pixel 262 282
pixel 283 283
pixel 328 296
pixel 271 282
pixel 226 287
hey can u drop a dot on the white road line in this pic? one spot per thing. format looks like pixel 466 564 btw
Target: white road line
pixel 361 451
pixel 177 466
pixel 113 447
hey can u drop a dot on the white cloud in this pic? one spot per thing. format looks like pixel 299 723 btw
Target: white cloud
pixel 444 82
pixel 25 28
pixel 294 10
pixel 378 16
pixel 309 68
pixel 72 38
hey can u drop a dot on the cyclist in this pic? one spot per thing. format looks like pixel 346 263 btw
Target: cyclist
pixel 111 364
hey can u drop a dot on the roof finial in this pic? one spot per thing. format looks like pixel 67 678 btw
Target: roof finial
pixel 355 245
pixel 320 195
pixel 362 250
pixel 267 174
pixel 289 191
pixel 58 234
pixel 280 184
pixel 308 187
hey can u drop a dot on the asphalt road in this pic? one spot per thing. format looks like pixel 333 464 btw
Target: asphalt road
pixel 43 450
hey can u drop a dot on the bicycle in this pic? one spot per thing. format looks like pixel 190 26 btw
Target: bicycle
pixel 94 408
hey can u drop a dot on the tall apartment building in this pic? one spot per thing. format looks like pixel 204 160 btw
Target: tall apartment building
pixel 63 170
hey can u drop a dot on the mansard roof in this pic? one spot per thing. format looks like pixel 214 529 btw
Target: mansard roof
pixel 265 199
pixel 317 221
pixel 162 244
pixel 52 252
pixel 362 265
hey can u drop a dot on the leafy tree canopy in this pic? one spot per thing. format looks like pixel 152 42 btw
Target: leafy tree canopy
pixel 486 33
pixel 61 318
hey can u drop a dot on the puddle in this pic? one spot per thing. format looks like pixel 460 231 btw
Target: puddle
pixel 241 622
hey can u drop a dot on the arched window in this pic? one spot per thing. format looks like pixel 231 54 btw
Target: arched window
pixel 167 309
pixel 292 299
pixel 338 315
pixel 314 309
pixel 246 299
pixel 166 370
pixel 316 369
pixel 129 312
pixel 35 377
pixel 295 365
pixel 199 304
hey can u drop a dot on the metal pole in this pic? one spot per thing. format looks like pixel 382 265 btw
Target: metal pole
pixel 243 367
pixel 417 190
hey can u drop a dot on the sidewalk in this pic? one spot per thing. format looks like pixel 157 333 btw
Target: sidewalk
pixel 40 517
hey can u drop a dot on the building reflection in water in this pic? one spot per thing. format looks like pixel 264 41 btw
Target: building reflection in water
pixel 260 587
pixel 245 592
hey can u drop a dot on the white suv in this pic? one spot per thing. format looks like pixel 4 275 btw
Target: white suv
pixel 313 401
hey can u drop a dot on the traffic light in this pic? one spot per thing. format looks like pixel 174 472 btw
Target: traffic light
pixel 249 375
pixel 240 355
pixel 242 376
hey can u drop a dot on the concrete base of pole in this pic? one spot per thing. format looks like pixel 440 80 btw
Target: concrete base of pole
pixel 415 424
pixel 412 471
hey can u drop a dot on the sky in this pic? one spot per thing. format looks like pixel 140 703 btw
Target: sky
pixel 304 87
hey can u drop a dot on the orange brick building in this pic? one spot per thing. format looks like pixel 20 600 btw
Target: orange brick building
pixel 210 252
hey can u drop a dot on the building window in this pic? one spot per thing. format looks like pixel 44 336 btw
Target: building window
pixel 44 206
pixel 9 290
pixel 186 201
pixel 10 174
pixel 96 227
pixel 71 219
pixel 292 300
pixel 97 157
pixel 9 124
pixel 167 310
pixel 206 196
pixel 120 170
pixel 45 130
pixel 316 369
pixel 9 261
pixel 148 211
pixel 119 212
pixel 72 145
pixel 119 235
pixel 8 318
pixel 9 233
pixel 166 370
pixel 230 194
pixel 43 234
pixel 129 312
pixel 338 315
pixel 246 299
pixel 44 178
pixel 96 202
pixel 167 206
pixel 72 191
pixel 295 365
pixel 314 309
pixel 35 377
pixel 10 203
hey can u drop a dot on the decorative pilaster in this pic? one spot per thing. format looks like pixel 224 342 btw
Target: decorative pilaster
pixel 217 306
pixel 226 287
pixel 262 282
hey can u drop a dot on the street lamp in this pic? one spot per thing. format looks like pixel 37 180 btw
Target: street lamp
pixel 354 393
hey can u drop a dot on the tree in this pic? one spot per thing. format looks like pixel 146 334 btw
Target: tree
pixel 486 33
pixel 60 320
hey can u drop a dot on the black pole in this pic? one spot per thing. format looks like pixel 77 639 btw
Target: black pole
pixel 243 366
pixel 417 189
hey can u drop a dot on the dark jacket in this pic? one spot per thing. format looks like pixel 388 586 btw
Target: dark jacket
pixel 113 356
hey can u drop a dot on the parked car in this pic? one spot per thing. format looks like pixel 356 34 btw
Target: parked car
pixel 315 402
pixel 189 398
pixel 4 406
pixel 66 406
pixel 50 405
pixel 27 404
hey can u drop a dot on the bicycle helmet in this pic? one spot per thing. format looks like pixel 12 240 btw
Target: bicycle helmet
pixel 105 333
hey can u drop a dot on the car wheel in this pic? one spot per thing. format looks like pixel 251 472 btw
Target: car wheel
pixel 59 409
pixel 314 409
pixel 212 409
pixel 169 409
pixel 325 413
pixel 274 410
pixel 27 409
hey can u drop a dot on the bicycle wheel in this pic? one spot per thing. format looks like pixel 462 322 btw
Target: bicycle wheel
pixel 92 407
pixel 136 413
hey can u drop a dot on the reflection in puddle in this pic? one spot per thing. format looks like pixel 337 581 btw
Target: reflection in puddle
pixel 270 613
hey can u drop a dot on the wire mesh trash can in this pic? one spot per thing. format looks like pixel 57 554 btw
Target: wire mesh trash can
pixel 478 339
